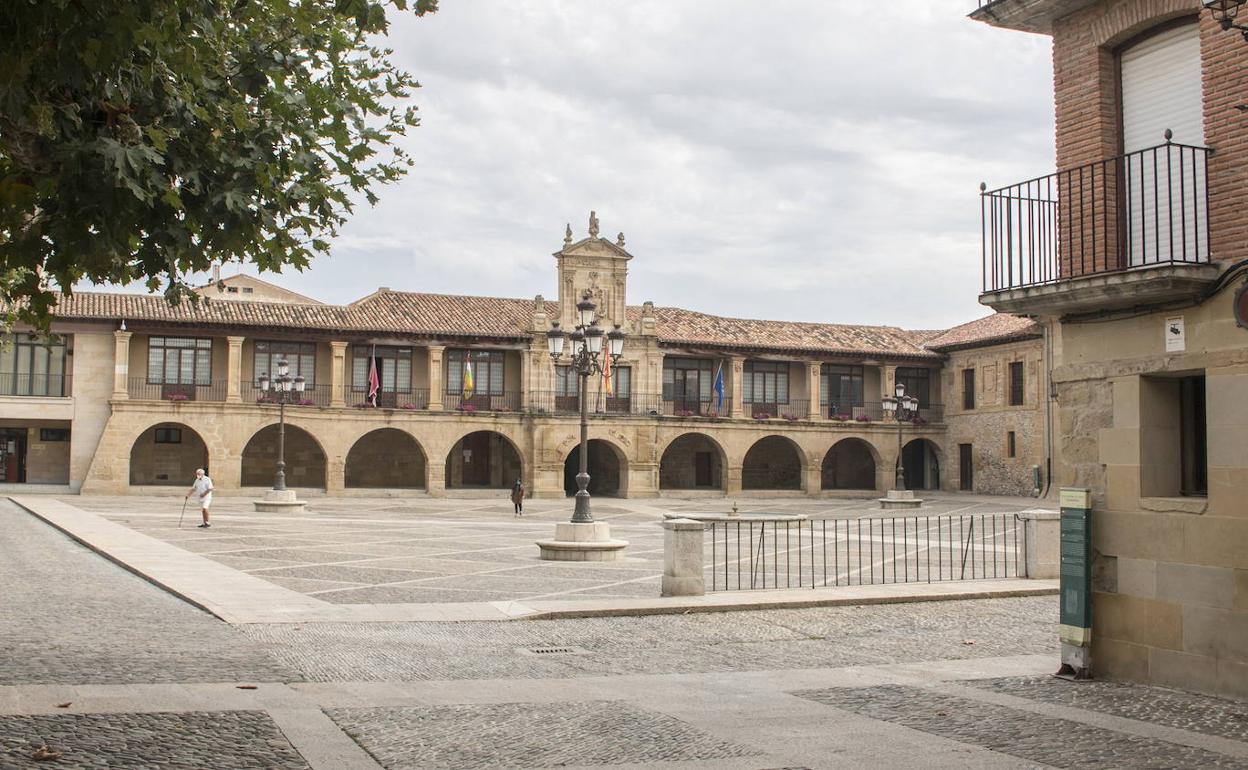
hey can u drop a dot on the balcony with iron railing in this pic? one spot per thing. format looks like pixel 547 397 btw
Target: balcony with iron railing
pixel 556 403
pixel 866 412
pixel 1124 231
pixel 507 401
pixel 793 409
pixel 35 384
pixel 140 389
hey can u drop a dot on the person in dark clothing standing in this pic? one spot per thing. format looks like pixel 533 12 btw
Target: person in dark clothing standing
pixel 517 496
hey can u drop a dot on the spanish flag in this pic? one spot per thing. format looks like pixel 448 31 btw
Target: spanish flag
pixel 606 376
pixel 469 384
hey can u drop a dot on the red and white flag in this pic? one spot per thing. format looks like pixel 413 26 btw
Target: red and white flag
pixel 374 382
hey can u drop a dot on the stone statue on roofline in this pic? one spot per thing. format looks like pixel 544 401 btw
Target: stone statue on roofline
pixel 593 224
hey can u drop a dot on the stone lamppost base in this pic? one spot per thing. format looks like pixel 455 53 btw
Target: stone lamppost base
pixel 582 542
pixel 280 501
pixel 900 498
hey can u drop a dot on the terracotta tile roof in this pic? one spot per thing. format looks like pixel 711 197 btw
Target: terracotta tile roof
pixel 676 325
pixel 998 327
pixel 499 318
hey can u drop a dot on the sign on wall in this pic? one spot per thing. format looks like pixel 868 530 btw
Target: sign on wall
pixel 1176 335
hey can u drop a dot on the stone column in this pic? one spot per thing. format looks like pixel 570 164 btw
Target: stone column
pixel 437 478
pixel 888 380
pixel 526 371
pixel 1042 543
pixel 121 365
pixel 682 558
pixel 733 485
pixel 337 374
pixel 436 395
pixel 234 371
pixel 812 387
pixel 735 407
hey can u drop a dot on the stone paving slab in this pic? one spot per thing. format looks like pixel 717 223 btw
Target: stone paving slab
pixel 524 735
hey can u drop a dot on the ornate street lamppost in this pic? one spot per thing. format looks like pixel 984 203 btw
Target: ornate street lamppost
pixel 903 409
pixel 587 358
pixel 286 389
pixel 1224 12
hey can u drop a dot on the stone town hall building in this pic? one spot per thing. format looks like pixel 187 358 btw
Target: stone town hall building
pixel 137 393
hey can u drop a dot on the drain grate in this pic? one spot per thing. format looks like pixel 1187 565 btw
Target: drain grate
pixel 553 651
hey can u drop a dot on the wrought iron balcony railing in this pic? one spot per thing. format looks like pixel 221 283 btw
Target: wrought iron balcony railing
pixel 142 390
pixel 1138 210
pixel 33 384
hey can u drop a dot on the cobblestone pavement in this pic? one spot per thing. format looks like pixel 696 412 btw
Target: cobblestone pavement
pixel 240 740
pixel 666 644
pixel 1185 711
pixel 68 616
pixel 519 735
pixel 426 550
pixel 113 672
pixel 1053 742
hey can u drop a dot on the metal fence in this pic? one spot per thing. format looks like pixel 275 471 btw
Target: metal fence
pixel 1149 207
pixel 794 409
pixel 314 395
pixel 142 390
pixel 34 384
pixel 507 401
pixel 759 555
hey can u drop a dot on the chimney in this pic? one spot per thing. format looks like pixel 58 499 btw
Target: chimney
pixel 216 272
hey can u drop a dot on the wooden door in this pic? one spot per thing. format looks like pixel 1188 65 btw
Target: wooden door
pixel 966 468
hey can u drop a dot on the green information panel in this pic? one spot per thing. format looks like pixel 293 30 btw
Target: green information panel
pixel 1076 568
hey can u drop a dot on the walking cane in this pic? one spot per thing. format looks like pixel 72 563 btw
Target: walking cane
pixel 183 513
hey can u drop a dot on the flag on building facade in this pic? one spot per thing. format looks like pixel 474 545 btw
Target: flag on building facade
pixel 606 376
pixel 374 382
pixel 469 383
pixel 718 387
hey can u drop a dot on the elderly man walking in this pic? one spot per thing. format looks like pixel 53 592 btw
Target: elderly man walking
pixel 202 490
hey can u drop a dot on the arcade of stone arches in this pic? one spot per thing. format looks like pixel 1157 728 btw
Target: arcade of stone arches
pixel 168 453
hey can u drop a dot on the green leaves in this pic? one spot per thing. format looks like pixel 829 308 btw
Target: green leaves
pixel 146 139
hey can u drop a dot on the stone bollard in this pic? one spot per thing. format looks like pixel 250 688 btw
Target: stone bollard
pixel 1042 538
pixel 682 558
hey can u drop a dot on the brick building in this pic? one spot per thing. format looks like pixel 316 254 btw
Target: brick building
pixel 138 394
pixel 1132 258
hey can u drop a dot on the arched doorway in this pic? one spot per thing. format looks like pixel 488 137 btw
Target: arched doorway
pixel 483 460
pixel 386 458
pixel 693 461
pixel 608 469
pixel 167 455
pixel 774 462
pixel 849 464
pixel 305 461
pixel 921 462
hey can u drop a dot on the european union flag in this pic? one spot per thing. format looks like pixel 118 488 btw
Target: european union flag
pixel 718 387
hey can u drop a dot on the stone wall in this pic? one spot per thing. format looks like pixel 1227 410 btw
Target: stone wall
pixel 986 427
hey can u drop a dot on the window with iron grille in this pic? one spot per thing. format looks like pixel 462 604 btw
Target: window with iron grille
pixel 765 382
pixel 29 367
pixel 918 382
pixel 968 388
pixel 487 371
pixel 300 355
pixel 179 360
pixel 1011 447
pixel 1017 383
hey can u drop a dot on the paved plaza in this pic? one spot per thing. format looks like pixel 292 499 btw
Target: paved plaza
pixel 107 670
pixel 423 550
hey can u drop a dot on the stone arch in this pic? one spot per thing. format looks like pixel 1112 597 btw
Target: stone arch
pixel 922 461
pixel 173 461
pixel 305 459
pixel 385 458
pixel 849 464
pixel 1124 21
pixel 692 461
pixel 608 469
pixel 772 462
pixel 483 459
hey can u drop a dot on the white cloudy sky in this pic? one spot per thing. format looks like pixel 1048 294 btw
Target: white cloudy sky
pixel 790 160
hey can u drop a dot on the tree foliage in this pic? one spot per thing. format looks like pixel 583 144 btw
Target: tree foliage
pixel 142 140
